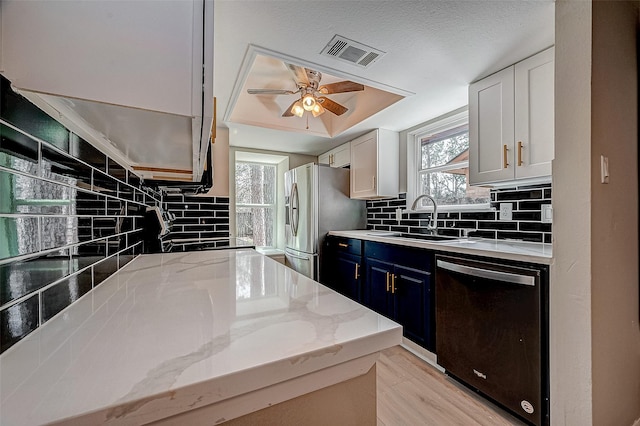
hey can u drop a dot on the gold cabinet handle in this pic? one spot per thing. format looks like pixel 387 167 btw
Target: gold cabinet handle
pixel 393 283
pixel 357 266
pixel 343 245
pixel 388 281
pixel 505 151
pixel 519 153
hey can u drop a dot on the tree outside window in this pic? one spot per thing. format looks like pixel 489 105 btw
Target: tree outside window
pixel 256 202
pixel 444 168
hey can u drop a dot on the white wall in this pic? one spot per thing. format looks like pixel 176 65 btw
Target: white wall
pixel 595 338
pixel 570 288
pixel 614 215
pixel 220 155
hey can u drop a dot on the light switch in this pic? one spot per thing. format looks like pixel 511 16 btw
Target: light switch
pixel 604 169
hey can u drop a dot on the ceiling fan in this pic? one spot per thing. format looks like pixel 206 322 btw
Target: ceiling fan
pixel 311 93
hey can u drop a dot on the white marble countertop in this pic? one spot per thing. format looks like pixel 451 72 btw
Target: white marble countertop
pixel 500 249
pixel 178 331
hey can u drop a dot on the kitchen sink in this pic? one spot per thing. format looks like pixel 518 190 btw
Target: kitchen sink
pixel 422 237
pixel 429 237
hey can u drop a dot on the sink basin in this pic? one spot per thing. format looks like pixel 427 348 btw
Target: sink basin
pixel 384 234
pixel 429 237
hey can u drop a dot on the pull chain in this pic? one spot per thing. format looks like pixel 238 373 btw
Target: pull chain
pixel 307 121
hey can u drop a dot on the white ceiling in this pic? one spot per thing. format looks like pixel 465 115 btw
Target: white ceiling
pixel 434 49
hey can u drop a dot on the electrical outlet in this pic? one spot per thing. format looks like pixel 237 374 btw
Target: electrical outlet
pixel 505 211
pixel 398 215
pixel 547 213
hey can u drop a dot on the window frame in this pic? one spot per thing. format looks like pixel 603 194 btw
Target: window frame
pixel 441 124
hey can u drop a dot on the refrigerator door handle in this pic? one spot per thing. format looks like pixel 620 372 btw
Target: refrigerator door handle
pixel 295 210
pixel 297 256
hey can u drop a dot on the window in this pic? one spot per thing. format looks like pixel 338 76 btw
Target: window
pixel 256 186
pixel 443 165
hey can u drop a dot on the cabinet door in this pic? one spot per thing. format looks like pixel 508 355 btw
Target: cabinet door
pixel 324 158
pixel 364 166
pixel 342 156
pixel 347 275
pixel 412 304
pixel 534 115
pixel 378 286
pixel 491 128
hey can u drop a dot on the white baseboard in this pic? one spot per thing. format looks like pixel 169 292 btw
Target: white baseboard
pixel 423 354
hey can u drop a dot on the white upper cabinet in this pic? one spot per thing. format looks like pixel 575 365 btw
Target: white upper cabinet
pixel 534 105
pixel 337 157
pixel 324 158
pixel 135 78
pixel 511 129
pixel 375 165
pixel 491 124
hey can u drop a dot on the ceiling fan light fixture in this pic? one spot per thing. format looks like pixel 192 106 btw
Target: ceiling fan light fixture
pixel 317 110
pixel 308 102
pixel 297 109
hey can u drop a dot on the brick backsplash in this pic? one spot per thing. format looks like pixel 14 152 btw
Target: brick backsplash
pixel 70 217
pixel 197 216
pixel 526 223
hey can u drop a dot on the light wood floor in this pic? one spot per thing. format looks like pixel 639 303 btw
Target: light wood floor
pixel 412 392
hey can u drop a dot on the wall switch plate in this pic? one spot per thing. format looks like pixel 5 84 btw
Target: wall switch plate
pixel 398 215
pixel 505 211
pixel 547 213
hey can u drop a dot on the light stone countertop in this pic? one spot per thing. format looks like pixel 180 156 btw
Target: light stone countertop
pixel 500 249
pixel 173 332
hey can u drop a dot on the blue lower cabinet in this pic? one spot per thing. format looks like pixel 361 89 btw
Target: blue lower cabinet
pixel 341 266
pixel 412 300
pixel 377 288
pixel 347 276
pixel 398 284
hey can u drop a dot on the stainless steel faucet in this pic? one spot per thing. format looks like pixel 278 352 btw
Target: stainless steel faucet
pixel 433 226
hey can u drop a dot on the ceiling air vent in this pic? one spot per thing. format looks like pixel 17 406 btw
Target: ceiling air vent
pixel 351 51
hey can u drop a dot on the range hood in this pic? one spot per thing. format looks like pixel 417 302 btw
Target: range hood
pixel 135 79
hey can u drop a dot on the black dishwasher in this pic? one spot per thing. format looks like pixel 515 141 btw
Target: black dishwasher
pixel 491 331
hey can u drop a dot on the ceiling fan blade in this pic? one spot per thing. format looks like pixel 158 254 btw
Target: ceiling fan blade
pixel 287 112
pixel 340 87
pixel 332 106
pixel 299 74
pixel 269 92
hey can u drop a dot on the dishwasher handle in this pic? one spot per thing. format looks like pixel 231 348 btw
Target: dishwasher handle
pixel 487 273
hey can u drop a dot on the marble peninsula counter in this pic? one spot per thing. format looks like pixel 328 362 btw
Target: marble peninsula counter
pixel 193 338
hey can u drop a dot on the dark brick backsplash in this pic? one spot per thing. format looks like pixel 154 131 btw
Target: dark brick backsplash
pixel 525 225
pixel 197 217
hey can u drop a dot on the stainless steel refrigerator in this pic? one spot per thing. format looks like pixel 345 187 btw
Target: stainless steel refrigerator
pixel 317 201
